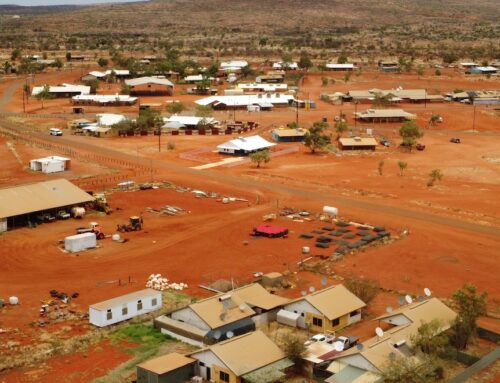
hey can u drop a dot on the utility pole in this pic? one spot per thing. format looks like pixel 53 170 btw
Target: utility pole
pixel 474 120
pixel 355 117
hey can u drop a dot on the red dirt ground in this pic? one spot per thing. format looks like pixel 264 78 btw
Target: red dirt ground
pixel 452 238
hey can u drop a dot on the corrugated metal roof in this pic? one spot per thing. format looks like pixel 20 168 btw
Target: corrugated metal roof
pixel 30 198
pixel 166 363
pixel 246 143
pixel 127 298
pixel 358 141
pixel 148 80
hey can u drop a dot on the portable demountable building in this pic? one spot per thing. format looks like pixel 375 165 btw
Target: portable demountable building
pixel 79 242
pixel 50 164
pixel 124 307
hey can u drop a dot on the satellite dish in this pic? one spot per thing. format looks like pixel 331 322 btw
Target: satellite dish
pixel 427 292
pixel 401 301
pixel 324 281
pixel 420 298
pixel 338 346
pixel 217 335
pixel 360 347
pixel 304 293
pixel 388 309
pixel 379 332
pixel 409 299
pixel 392 356
pixel 243 307
pixel 229 334
pixel 312 289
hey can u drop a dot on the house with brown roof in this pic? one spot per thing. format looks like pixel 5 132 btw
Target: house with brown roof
pixel 217 318
pixel 367 360
pixel 326 310
pixel 249 358
pixel 357 143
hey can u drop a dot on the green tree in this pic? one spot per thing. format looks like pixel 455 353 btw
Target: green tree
pixel 44 94
pixel 94 85
pixel 409 132
pixel 68 56
pixel 315 139
pixel 433 119
pixel 292 125
pixel 203 111
pixel 437 72
pixel 324 81
pixel 342 58
pixel 402 166
pixel 58 63
pixel 294 348
pixel 430 337
pixel 420 70
pixel 341 127
pixel 16 53
pixel 364 289
pixel 175 107
pixel 409 370
pixel 435 175
pixel 148 119
pixel 382 100
pixel 262 156
pixel 305 61
pixel 125 89
pixel 102 62
pixel 470 305
pixel 27 91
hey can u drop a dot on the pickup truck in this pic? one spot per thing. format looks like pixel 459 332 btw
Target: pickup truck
pixel 346 341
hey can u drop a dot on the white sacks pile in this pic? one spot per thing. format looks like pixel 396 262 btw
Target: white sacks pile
pixel 157 282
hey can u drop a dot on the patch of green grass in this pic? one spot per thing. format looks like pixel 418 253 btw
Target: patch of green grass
pixel 142 335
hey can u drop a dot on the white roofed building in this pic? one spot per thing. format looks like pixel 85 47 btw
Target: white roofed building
pixel 104 100
pixel 233 66
pixel 64 90
pixel 285 65
pixel 244 101
pixel 340 67
pixel 188 122
pixel 244 145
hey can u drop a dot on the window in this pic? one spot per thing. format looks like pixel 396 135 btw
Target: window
pixel 139 305
pixel 109 315
pixel 154 301
pixel 335 322
pixel 201 364
pixel 317 322
pixel 124 310
pixel 223 376
pixel 354 313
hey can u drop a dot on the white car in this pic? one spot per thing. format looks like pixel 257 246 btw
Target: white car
pixel 55 132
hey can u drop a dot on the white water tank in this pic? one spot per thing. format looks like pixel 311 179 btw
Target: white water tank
pixel 14 300
pixel 115 237
pixel 330 210
pixel 306 250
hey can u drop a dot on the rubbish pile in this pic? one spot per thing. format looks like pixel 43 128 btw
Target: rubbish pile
pixel 166 210
pixel 157 282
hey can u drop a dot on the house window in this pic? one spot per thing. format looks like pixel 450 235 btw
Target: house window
pixel 354 313
pixel 154 301
pixel 335 322
pixel 317 322
pixel 139 305
pixel 223 376
pixel 109 315
pixel 124 310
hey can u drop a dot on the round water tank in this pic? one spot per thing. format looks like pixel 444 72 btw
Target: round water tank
pixel 330 210
pixel 115 237
pixel 306 250
pixel 13 300
pixel 225 200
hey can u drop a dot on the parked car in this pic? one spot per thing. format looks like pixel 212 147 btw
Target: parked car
pixel 455 140
pixel 55 132
pixel 385 142
pixel 63 214
pixel 323 338
pixel 420 147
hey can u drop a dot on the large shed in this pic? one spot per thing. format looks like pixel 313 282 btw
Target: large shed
pixel 357 143
pixel 153 86
pixel 20 204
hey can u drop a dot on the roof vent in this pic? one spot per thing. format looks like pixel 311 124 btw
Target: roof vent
pixel 224 297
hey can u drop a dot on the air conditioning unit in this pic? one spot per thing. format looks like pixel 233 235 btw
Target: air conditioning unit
pixel 197 379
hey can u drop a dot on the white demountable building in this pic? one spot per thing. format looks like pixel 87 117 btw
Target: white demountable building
pixel 52 164
pixel 188 122
pixel 79 242
pixel 285 65
pixel 64 90
pixel 124 307
pixel 244 145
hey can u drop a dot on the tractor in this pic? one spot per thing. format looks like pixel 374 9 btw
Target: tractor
pixel 134 224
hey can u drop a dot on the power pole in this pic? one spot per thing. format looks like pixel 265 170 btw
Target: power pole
pixel 474 120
